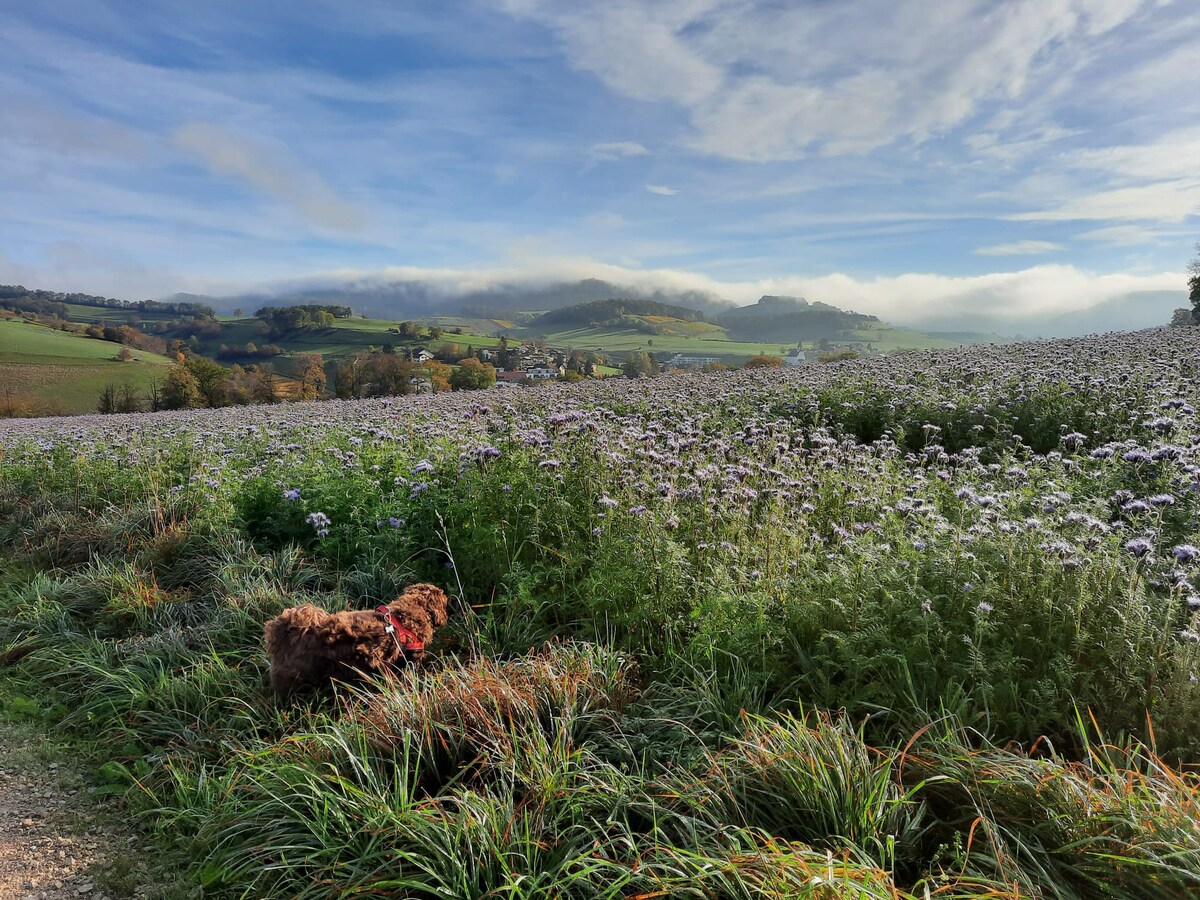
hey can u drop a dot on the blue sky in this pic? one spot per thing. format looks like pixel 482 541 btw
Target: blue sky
pixel 902 157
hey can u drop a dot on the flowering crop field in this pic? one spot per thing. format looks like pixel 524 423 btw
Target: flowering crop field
pixel 921 625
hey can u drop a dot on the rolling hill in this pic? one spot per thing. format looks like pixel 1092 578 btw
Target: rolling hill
pixel 50 371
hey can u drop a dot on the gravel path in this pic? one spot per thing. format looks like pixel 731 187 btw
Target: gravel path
pixel 53 844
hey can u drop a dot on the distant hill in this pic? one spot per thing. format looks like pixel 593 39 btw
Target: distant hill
pixel 790 319
pixel 408 299
pixel 614 311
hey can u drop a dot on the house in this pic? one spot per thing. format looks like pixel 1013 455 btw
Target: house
pixel 510 376
pixel 543 372
pixel 680 361
pixel 421 355
pixel 796 357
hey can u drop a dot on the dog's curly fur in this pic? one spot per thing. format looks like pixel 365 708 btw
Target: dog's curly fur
pixel 309 647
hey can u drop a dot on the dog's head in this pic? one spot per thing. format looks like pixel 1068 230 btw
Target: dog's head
pixel 428 597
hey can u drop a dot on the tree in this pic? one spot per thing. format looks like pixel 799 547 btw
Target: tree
pixel 180 390
pixel 762 361
pixel 108 399
pixel 128 400
pixel 125 355
pixel 472 375
pixel 639 365
pixel 1182 317
pixel 1193 271
pixel 310 369
pixel 266 387
pixel 210 381
pixel 439 375
pixel 154 396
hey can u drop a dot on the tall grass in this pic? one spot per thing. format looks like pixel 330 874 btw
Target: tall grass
pixel 926 627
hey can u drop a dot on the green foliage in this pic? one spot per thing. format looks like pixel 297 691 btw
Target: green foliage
pixel 776 674
pixel 181 390
pixel 472 375
pixel 639 365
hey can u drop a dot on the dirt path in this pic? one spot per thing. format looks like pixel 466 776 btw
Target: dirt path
pixel 54 844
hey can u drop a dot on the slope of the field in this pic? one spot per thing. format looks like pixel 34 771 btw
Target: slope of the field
pixel 61 372
pixel 78 312
pixel 705 339
pixel 344 339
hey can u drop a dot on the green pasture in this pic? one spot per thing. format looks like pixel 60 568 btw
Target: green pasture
pixel 65 373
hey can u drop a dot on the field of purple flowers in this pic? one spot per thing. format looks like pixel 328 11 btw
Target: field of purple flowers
pixel 911 626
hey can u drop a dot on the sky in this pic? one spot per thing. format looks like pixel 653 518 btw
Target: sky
pixel 900 157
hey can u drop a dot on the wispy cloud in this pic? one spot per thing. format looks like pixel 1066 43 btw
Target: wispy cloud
pixel 272 170
pixel 611 151
pixel 766 81
pixel 662 190
pixel 1019 248
pixel 1163 201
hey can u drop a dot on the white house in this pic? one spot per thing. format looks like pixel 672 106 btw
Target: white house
pixel 680 361
pixel 422 355
pixel 543 372
pixel 795 357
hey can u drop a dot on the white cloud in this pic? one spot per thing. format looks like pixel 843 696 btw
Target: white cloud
pixel 768 81
pixel 1173 155
pixel 662 190
pixel 1006 297
pixel 1163 201
pixel 1124 235
pixel 1019 248
pixel 270 169
pixel 614 150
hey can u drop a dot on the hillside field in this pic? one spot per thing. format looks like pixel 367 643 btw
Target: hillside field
pixel 924 625
pixel 62 372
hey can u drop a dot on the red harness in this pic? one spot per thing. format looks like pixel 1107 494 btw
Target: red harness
pixel 406 640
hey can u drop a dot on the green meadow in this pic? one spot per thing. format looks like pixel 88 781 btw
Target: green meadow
pixel 59 372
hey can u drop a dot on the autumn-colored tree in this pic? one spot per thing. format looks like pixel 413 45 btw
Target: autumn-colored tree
pixel 762 361
pixel 266 386
pixel 180 390
pixel 310 370
pixel 438 373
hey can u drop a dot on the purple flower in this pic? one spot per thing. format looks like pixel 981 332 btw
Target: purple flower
pixel 292 494
pixel 985 607
pixel 1139 547
pixel 1185 553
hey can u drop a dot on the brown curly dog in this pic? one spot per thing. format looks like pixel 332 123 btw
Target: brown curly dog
pixel 309 647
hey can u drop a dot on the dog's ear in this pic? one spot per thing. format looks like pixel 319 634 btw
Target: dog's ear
pixel 430 598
